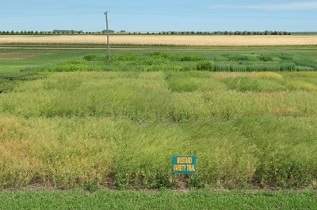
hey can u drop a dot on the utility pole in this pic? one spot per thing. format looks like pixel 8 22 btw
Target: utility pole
pixel 108 35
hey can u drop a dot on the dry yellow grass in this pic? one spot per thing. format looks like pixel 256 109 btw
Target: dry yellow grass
pixel 164 40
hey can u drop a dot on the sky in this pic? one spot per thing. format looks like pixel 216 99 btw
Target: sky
pixel 160 15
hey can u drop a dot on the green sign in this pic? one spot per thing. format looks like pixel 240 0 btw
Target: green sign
pixel 184 164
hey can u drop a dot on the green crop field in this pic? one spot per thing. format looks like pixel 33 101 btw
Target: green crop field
pixel 71 118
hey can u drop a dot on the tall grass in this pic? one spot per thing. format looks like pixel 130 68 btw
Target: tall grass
pixel 157 96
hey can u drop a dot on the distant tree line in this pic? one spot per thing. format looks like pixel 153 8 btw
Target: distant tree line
pixel 214 33
pixel 73 32
pixel 41 32
pixel 305 33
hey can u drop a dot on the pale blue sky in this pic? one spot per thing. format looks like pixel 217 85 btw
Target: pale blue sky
pixel 160 15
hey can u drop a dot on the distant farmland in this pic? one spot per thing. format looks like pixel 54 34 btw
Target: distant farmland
pixel 186 40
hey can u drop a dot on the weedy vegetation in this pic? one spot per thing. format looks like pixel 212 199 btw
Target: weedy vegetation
pixel 249 115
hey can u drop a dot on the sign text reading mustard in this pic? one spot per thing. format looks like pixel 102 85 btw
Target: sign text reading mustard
pixel 184 164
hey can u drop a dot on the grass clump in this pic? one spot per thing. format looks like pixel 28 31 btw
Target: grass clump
pixel 265 58
pixel 90 57
pixel 10 80
pixel 248 84
pixel 205 66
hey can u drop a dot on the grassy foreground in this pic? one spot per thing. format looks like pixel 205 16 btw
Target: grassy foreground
pixel 157 200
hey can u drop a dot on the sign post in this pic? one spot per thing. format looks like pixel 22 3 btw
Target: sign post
pixel 184 164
